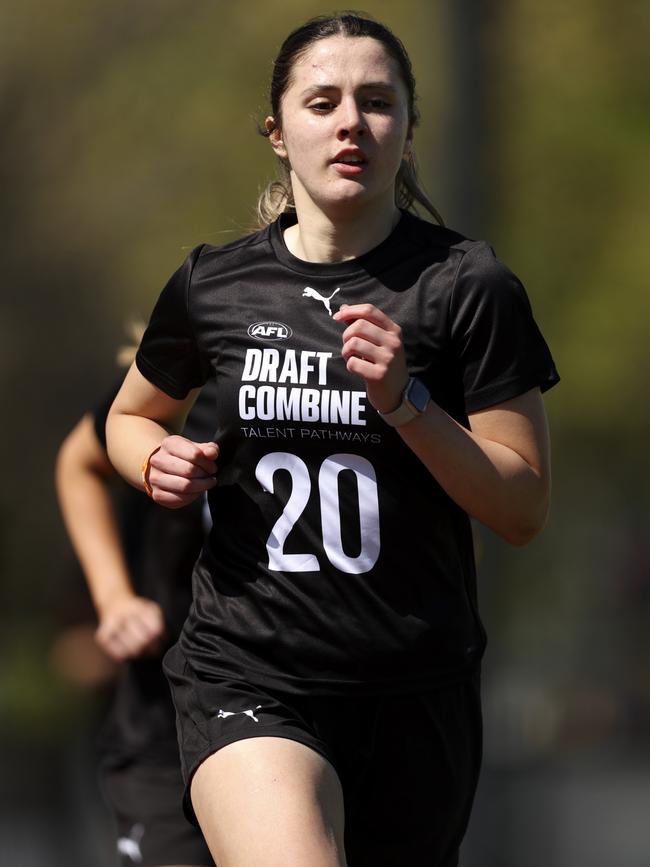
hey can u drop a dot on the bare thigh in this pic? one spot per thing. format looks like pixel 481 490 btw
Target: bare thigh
pixel 271 801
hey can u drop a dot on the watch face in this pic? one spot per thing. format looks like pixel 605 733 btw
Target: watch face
pixel 418 395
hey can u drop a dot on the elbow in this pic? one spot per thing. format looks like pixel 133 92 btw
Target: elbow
pixel 66 462
pixel 526 524
pixel 525 527
pixel 80 456
pixel 521 535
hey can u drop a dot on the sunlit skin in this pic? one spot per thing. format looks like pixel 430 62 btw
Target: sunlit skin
pixel 344 129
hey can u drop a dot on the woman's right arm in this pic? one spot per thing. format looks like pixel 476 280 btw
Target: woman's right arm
pixel 142 420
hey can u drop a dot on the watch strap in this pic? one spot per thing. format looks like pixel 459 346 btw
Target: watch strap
pixel 407 410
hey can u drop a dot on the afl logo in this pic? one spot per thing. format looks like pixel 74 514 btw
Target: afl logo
pixel 269 331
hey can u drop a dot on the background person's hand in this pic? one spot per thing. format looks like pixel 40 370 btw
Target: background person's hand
pixel 131 626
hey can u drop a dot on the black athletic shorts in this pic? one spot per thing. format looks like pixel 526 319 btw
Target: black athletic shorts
pixel 151 829
pixel 408 764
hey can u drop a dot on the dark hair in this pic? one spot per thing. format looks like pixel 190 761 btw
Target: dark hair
pixel 278 196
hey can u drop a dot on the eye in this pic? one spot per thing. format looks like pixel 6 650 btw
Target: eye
pixel 376 103
pixel 321 105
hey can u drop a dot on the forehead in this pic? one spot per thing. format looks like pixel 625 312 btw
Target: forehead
pixel 339 60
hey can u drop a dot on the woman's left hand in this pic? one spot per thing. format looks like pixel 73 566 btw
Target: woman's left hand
pixel 373 349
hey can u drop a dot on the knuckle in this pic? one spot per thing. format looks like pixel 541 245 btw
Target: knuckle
pixel 156 462
pixel 185 486
pixel 381 369
pixel 176 501
pixel 167 445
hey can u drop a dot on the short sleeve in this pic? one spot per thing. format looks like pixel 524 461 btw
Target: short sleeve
pixel 499 347
pixel 168 355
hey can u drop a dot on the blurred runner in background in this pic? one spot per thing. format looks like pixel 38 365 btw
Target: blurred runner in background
pixel 137 559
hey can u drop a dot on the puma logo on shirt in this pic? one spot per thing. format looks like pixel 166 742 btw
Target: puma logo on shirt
pixel 308 292
pixel 249 713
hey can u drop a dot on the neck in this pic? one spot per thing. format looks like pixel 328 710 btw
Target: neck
pixel 332 237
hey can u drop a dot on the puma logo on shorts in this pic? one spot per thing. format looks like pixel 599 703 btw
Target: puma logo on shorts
pixel 249 713
pixel 130 846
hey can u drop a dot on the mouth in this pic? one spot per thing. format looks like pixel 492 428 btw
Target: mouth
pixel 350 161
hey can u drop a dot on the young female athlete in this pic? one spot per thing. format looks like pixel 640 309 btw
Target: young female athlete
pixel 137 559
pixel 378 382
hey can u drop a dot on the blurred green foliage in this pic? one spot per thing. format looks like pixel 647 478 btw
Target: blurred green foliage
pixel 573 132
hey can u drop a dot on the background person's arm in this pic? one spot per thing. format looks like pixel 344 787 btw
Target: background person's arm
pixel 129 625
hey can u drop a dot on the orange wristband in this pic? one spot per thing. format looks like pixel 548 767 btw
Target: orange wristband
pixel 145 469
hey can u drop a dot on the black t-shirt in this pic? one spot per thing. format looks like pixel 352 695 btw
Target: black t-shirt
pixel 336 562
pixel 161 547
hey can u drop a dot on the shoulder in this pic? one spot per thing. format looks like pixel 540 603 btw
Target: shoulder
pixel 484 290
pixel 474 269
pixel 483 277
pixel 445 236
pixel 208 257
pixel 460 265
pixel 441 244
pixel 426 235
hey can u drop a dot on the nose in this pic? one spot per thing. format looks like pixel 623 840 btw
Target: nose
pixel 351 120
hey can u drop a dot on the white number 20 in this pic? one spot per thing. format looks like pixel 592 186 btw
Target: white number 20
pixel 328 490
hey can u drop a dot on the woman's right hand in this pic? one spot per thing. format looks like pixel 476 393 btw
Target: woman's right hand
pixel 181 470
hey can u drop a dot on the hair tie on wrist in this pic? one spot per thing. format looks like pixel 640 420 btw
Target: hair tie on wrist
pixel 145 470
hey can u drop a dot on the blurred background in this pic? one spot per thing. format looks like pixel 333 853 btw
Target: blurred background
pixel 128 137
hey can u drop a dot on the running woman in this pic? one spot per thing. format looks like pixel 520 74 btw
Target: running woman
pixel 379 382
pixel 137 559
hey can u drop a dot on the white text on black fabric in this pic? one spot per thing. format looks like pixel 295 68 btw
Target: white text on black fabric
pixel 286 398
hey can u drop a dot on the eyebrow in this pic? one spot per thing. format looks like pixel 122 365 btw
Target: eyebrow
pixel 368 85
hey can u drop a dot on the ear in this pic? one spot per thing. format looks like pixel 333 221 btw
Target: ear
pixel 275 137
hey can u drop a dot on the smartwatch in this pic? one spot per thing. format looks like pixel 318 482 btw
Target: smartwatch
pixel 415 399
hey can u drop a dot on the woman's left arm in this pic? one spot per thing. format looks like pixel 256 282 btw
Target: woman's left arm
pixel 498 471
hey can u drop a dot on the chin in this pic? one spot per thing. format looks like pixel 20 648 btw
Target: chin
pixel 346 198
pixel 353 197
